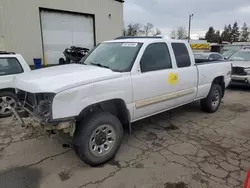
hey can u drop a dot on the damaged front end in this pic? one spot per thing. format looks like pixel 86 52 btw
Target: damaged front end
pixel 39 109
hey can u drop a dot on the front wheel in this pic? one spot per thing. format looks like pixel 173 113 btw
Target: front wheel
pixel 7 99
pixel 212 102
pixel 98 138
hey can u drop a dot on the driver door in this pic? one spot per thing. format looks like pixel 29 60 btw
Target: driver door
pixel 153 91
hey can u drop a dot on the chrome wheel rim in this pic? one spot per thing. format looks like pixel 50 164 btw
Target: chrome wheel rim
pixel 5 103
pixel 215 99
pixel 102 140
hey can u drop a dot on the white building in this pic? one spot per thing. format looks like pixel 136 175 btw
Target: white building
pixel 44 28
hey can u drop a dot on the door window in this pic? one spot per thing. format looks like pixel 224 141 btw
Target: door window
pixel 218 57
pixel 9 66
pixel 212 57
pixel 215 57
pixel 156 57
pixel 181 55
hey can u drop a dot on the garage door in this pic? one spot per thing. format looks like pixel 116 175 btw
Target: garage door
pixel 62 30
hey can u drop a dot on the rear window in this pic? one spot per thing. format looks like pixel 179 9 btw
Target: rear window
pixel 9 66
pixel 181 55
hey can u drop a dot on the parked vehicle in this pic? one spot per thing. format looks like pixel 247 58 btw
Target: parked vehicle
pixel 241 67
pixel 229 53
pixel 120 82
pixel 11 64
pixel 73 55
pixel 202 57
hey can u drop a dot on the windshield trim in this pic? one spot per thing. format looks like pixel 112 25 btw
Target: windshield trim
pixel 86 56
pixel 115 70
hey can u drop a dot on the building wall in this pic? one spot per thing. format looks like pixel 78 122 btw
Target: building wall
pixel 20 19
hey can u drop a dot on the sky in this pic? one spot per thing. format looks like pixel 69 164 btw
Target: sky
pixel 170 14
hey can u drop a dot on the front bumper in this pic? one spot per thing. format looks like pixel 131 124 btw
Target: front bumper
pixel 240 80
pixel 66 125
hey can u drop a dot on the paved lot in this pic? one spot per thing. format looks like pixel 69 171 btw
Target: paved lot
pixel 184 148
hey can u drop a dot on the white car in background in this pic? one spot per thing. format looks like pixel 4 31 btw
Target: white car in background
pixel 241 67
pixel 201 57
pixel 11 64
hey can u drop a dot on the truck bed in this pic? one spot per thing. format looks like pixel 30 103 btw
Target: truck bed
pixel 205 61
pixel 207 71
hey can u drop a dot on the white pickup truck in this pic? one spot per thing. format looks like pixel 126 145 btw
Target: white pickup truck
pixel 119 82
pixel 11 64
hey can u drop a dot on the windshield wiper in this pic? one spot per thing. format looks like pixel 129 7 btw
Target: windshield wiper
pixel 100 65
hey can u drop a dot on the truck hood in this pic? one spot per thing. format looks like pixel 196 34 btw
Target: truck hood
pixel 244 64
pixel 59 78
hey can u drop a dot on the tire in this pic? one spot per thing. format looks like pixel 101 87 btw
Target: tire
pixel 62 61
pixel 7 98
pixel 212 102
pixel 89 144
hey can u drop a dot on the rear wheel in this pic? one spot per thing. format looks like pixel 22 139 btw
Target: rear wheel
pixel 212 102
pixel 7 99
pixel 98 138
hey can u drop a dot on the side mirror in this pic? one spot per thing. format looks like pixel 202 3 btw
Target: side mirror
pixel 210 59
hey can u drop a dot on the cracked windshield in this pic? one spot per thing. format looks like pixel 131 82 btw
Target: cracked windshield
pixel 125 94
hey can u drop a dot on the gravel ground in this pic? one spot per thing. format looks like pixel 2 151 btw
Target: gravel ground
pixel 183 148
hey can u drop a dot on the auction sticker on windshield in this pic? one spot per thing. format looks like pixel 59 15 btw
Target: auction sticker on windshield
pixel 129 44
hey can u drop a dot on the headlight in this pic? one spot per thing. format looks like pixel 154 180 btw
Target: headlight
pixel 44 101
pixel 247 70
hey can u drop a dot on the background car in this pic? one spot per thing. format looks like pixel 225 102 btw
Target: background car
pixel 228 53
pixel 207 56
pixel 241 67
pixel 11 64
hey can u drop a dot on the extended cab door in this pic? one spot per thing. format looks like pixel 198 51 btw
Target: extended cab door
pixel 159 83
pixel 187 72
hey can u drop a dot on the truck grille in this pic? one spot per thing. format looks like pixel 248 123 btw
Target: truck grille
pixel 238 71
pixel 27 100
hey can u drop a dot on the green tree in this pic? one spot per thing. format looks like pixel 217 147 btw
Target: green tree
pixel 210 35
pixel 217 37
pixel 235 33
pixel 230 33
pixel 244 37
pixel 225 35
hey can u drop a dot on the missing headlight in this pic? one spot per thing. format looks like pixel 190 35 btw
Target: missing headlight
pixel 44 104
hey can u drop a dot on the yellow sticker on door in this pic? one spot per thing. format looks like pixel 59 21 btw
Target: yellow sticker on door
pixel 172 78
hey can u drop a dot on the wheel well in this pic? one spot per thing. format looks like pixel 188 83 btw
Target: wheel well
pixel 220 81
pixel 8 89
pixel 117 107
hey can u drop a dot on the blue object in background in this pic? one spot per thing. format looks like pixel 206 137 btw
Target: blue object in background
pixel 38 63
